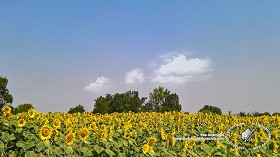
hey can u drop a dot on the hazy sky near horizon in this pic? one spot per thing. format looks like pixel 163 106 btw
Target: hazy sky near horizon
pixel 58 54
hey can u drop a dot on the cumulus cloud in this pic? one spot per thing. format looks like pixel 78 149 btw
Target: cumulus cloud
pixel 179 69
pixel 101 83
pixel 134 76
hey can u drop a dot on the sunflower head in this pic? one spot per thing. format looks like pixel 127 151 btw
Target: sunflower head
pixel 45 132
pixel 56 123
pixel 70 138
pixel 7 109
pixel 69 131
pixel 145 148
pixel 21 116
pixel 84 133
pixel 21 122
pixel 55 132
pixel 31 113
pixel 152 141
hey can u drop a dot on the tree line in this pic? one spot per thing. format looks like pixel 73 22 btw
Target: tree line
pixel 160 100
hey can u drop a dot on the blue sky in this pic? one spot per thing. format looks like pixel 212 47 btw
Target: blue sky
pixel 58 54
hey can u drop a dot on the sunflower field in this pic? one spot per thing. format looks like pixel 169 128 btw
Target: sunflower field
pixel 134 134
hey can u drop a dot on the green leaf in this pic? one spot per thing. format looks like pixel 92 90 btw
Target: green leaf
pixel 121 155
pixel 29 144
pixel 47 143
pixel 12 154
pixel 84 149
pixel 98 149
pixel 20 144
pixel 57 151
pixel 5 137
pixel 26 134
pixel 88 153
pixel 30 153
pixel 40 145
pixel 12 137
pixel 69 150
pixel 117 144
pixel 19 130
pixel 109 152
pixel 2 146
pixel 125 143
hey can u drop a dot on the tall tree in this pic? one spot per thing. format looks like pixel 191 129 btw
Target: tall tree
pixel 134 101
pixel 161 100
pixel 102 104
pixel 79 108
pixel 5 97
pixel 119 102
pixel 23 108
pixel 213 109
pixel 171 103
pixel 157 97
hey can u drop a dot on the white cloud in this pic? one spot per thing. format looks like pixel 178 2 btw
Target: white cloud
pixel 101 83
pixel 134 76
pixel 178 69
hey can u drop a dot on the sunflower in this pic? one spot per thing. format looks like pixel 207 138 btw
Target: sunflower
pixel 31 113
pixel 21 122
pixel 56 123
pixel 152 141
pixel 68 123
pixel 7 109
pixel 173 142
pixel 70 138
pixel 21 116
pixel 186 144
pixel 104 135
pixel 69 131
pixel 45 132
pixel 145 148
pixel 84 133
pixel 55 132
pixel 162 134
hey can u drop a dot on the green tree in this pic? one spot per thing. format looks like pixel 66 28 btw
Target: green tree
pixel 276 114
pixel 79 108
pixel 134 101
pixel 119 102
pixel 242 114
pixel 5 97
pixel 171 103
pixel 23 108
pixel 161 100
pixel 157 97
pixel 102 104
pixel 211 109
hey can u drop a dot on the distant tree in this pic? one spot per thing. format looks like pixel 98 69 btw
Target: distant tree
pixel 249 114
pixel 135 101
pixel 171 103
pixel 276 114
pixel 5 97
pixel 119 102
pixel 266 114
pixel 102 104
pixel 157 97
pixel 256 114
pixel 79 108
pixel 161 100
pixel 211 109
pixel 147 107
pixel 242 114
pixel 23 108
